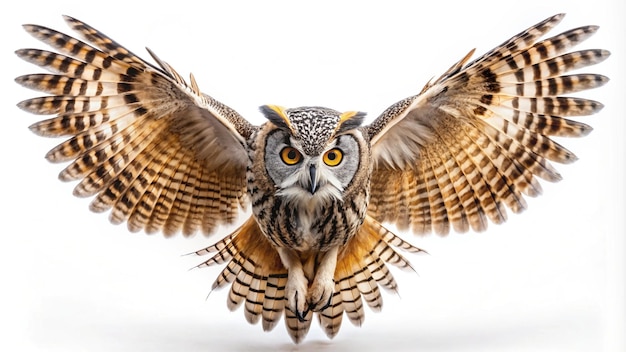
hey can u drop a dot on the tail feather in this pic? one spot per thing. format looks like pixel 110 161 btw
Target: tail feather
pixel 241 284
pixel 350 296
pixel 297 329
pixel 369 289
pixel 255 298
pixel 361 269
pixel 274 301
pixel 330 318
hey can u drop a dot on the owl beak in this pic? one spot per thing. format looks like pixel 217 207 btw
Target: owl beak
pixel 313 175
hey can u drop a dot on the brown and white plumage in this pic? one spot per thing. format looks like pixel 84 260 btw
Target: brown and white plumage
pixel 258 276
pixel 134 135
pixel 474 140
pixel 164 157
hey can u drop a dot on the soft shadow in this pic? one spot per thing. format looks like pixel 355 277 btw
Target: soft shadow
pixel 70 326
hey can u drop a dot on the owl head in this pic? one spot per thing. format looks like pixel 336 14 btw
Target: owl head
pixel 313 152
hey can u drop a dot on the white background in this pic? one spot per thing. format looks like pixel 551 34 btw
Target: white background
pixel 550 279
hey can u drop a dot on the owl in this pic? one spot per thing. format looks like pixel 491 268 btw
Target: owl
pixel 321 185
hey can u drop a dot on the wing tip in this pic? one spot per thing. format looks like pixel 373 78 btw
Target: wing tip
pixel 25 106
pixel 37 130
pixel 596 106
pixel 585 129
pixel 22 53
pixel 29 27
pixel 69 19
pixel 557 18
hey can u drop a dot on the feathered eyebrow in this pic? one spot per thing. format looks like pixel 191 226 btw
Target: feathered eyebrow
pixel 337 141
pixel 287 140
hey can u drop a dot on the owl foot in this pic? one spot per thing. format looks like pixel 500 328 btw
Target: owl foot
pixel 323 286
pixel 302 298
pixel 320 294
pixel 295 291
pixel 313 304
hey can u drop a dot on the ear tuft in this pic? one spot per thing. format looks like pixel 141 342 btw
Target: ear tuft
pixel 276 114
pixel 350 120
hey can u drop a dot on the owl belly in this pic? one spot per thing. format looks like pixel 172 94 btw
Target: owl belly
pixel 306 226
pixel 314 234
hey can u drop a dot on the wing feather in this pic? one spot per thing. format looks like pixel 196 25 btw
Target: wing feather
pixel 478 137
pixel 148 145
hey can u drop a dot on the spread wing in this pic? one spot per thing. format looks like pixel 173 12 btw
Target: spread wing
pixel 474 141
pixel 149 146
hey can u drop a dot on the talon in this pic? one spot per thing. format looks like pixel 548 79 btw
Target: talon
pixel 321 296
pixel 330 300
pixel 300 315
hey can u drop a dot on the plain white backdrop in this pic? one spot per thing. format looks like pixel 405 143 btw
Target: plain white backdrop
pixel 550 279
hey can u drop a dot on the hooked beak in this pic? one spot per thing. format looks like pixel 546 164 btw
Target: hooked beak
pixel 313 175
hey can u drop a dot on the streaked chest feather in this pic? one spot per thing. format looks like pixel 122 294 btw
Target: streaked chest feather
pixel 306 226
pixel 308 229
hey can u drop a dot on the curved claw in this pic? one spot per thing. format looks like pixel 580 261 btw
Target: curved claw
pixel 320 295
pixel 330 300
pixel 300 315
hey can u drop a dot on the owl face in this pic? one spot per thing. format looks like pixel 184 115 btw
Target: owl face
pixel 311 155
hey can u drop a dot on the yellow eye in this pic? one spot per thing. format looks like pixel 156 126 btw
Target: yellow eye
pixel 333 157
pixel 290 155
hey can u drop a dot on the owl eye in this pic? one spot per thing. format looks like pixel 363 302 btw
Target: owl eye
pixel 290 155
pixel 333 157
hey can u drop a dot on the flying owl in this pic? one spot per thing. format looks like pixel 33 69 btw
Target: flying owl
pixel 164 157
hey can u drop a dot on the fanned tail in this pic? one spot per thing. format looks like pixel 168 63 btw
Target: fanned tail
pixel 258 278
